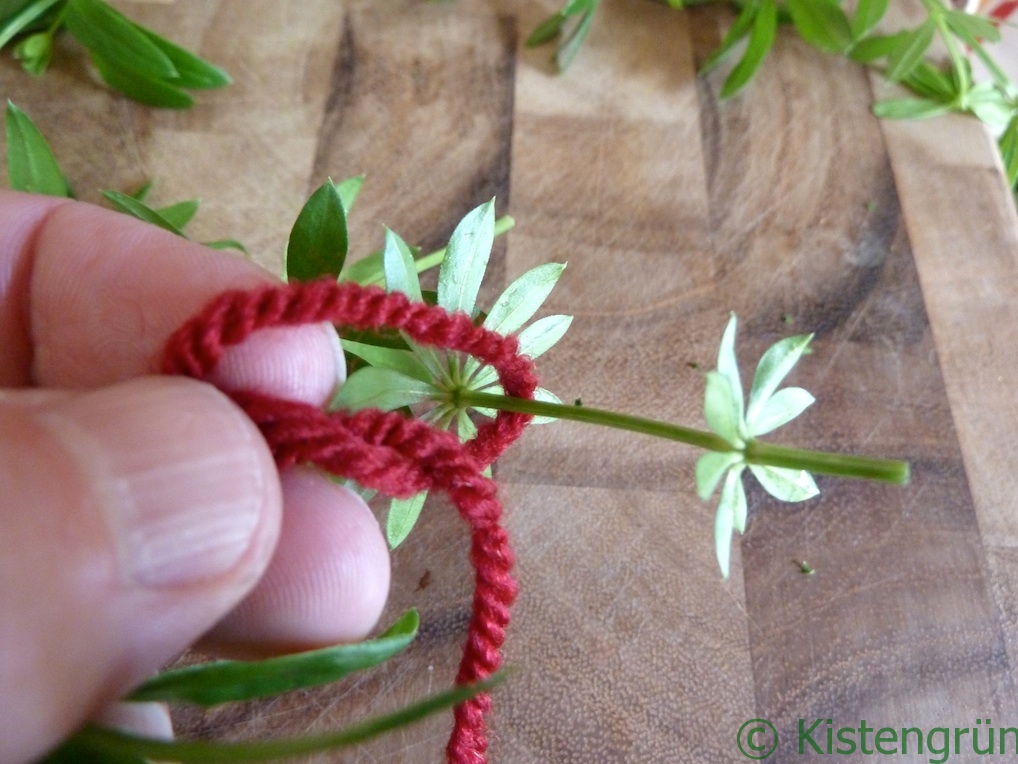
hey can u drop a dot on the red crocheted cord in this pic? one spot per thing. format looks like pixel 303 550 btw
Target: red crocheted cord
pixel 388 452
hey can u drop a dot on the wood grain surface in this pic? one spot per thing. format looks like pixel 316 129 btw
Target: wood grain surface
pixel 790 205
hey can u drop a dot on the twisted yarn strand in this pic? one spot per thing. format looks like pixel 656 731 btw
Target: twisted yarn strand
pixel 388 452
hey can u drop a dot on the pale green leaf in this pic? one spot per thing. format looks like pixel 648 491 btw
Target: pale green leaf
pixel 31 165
pixel 348 191
pixel 910 108
pixel 521 300
pixel 385 389
pixel 210 684
pixel 782 407
pixel 403 361
pixel 785 484
pixel 400 272
pixel 459 278
pixel 721 410
pixel 35 52
pixel 465 427
pixel 570 45
pixel 728 365
pixel 402 518
pixel 971 28
pixel 774 366
pixel 542 334
pixel 226 244
pixel 542 394
pixel 710 468
pixel 731 515
pixel 319 240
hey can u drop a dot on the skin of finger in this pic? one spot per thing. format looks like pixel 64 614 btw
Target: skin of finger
pixel 328 580
pixel 76 634
pixel 92 295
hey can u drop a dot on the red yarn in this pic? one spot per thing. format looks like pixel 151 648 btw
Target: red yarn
pixel 387 451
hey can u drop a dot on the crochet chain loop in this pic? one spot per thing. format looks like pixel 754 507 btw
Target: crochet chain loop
pixel 388 452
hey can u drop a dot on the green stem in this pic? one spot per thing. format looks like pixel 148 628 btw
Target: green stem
pixel 756 452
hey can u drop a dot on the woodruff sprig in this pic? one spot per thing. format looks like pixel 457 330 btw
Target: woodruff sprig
pixel 129 58
pixel 940 84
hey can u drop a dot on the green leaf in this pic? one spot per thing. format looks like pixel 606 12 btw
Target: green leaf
pixel 1009 150
pixel 94 744
pixel 226 244
pixel 911 48
pixel 547 396
pixel 785 484
pixel 971 28
pixel 731 515
pixel 402 517
pixel 878 46
pixel 400 273
pixel 728 365
pixel 822 24
pixel 761 38
pixel 384 389
pixel 459 278
pixel 721 409
pixel 318 241
pixel 742 26
pixel 910 108
pixel 132 206
pixel 521 300
pixel 574 39
pixel 192 72
pixel 179 214
pixel 31 165
pixel 542 334
pixel 933 83
pixel 229 681
pixel 774 366
pixel 710 468
pixel 868 14
pixel 35 52
pixel 23 19
pixel 146 90
pixel 348 190
pixel 465 427
pixel 780 408
pixel 989 105
pixel 113 38
pixel 546 30
pixel 402 361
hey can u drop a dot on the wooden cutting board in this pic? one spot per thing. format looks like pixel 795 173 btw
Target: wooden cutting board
pixel 894 242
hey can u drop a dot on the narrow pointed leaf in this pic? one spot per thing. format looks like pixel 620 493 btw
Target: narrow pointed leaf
pixel 731 509
pixel 910 108
pixel 971 28
pixel 911 48
pixel 228 681
pixel 720 409
pixel 781 408
pixel 349 189
pixel 193 73
pixel 785 484
pixel 521 300
pixel 112 37
pixel 742 26
pixel 459 278
pixel 398 263
pixel 383 389
pixel 465 427
pixel 226 244
pixel 542 334
pixel 761 39
pixel 179 214
pixel 132 206
pixel 543 394
pixel 868 14
pixel 1009 150
pixel 774 366
pixel 728 365
pixel 318 241
pixel 822 24
pixel 403 361
pixel 876 47
pixel 710 468
pixel 574 39
pixel 402 518
pixel 31 165
pixel 150 91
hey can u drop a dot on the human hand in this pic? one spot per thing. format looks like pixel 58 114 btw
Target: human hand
pixel 140 513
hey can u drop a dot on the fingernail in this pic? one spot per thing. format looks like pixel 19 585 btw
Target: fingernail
pixel 178 472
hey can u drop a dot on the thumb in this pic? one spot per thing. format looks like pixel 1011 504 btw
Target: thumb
pixel 132 518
